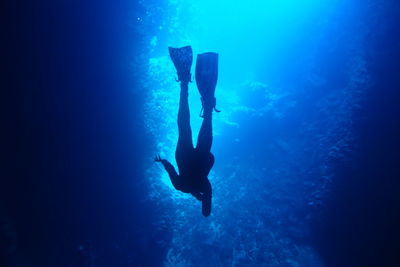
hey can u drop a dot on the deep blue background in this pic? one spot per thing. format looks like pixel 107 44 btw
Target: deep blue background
pixel 72 135
pixel 361 225
pixel 73 142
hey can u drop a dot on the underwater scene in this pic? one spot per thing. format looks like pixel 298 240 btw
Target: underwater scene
pixel 303 133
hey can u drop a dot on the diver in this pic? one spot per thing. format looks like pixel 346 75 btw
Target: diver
pixel 194 164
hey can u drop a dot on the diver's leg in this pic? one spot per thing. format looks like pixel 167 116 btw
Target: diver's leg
pixel 204 140
pixel 206 80
pixel 185 143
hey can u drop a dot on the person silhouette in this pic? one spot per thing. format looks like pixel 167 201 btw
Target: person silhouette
pixel 194 164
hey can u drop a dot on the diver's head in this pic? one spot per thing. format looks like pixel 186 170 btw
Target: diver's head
pixel 206 206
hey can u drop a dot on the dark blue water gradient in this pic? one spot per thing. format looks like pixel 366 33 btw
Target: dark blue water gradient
pixel 73 138
pixel 360 225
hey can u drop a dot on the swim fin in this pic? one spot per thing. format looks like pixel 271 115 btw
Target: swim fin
pixel 182 58
pixel 206 78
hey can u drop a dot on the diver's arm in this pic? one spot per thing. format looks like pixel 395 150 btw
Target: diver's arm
pixel 167 166
pixel 206 201
pixel 173 175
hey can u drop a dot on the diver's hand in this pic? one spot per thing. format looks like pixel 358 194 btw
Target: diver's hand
pixel 157 158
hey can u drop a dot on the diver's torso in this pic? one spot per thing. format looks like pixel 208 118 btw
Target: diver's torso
pixel 194 170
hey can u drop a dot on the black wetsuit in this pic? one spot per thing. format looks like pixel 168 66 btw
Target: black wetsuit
pixel 194 164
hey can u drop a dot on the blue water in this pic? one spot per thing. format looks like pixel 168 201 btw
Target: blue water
pixel 306 145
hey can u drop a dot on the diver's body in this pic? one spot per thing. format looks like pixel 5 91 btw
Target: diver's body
pixel 194 164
